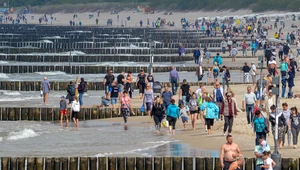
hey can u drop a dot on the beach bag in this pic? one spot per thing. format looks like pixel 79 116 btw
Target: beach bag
pixel 204 113
pixel 142 109
pixel 41 93
pixel 165 123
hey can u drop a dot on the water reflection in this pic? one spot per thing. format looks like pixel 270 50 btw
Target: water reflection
pixel 176 149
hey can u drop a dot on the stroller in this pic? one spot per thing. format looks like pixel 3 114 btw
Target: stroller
pixel 157 87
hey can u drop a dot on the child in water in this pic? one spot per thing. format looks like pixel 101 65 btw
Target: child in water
pixel 63 109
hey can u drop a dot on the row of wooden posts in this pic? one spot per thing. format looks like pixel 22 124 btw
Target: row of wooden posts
pixel 57 86
pixel 127 163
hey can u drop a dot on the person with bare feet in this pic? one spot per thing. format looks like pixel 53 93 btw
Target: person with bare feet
pixel 63 109
pixel 141 82
pixel 184 115
pixel 210 112
pixel 229 111
pixel 125 107
pixel 230 153
pixel 172 116
pixel 75 111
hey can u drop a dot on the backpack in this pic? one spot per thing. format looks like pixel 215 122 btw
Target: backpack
pixel 219 96
pixel 71 90
pixel 85 89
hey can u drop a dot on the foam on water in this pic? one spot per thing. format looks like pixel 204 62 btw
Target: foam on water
pixel 3 75
pixel 26 133
pixel 157 144
pixel 1 138
pixel 10 93
pixel 51 73
pixel 3 62
pixel 18 99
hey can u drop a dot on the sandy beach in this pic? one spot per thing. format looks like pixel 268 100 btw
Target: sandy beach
pixel 242 133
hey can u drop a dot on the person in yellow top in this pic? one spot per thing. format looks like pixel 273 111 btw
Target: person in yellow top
pixel 276 35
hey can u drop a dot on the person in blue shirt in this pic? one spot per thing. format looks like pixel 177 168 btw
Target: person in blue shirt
pixel 211 112
pixel 218 59
pixel 260 125
pixel 173 114
pixel 253 48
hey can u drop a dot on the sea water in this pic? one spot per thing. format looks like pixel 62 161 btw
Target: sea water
pixel 92 138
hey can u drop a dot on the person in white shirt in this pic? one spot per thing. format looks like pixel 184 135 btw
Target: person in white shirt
pixel 75 111
pixel 272 66
pixel 253 72
pixel 268 162
pixel 233 53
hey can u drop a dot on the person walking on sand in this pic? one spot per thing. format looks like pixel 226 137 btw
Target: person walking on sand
pixel 196 55
pixel 173 114
pixel 223 46
pixel 174 79
pixel 260 126
pixel 253 72
pixel 218 96
pixel 281 124
pixel 184 115
pixel 248 103
pixel 158 112
pixel 63 109
pixel 148 98
pixel 230 151
pixel 193 108
pixel 246 69
pixel 211 111
pixel 229 111
pixel 233 53
pixel 75 111
pixel 125 107
pixel 207 56
pixel 287 114
pixel 45 89
pixel 294 125
pixel 185 92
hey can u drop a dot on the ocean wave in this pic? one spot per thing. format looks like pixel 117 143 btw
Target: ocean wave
pixel 10 93
pixel 3 75
pixel 26 133
pixel 136 151
pixel 51 73
pixel 19 99
pixel 3 62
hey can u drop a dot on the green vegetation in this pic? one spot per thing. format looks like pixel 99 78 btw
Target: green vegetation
pixel 254 5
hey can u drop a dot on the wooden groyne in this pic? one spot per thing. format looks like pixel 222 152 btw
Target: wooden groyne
pixel 127 163
pixel 60 86
pixel 94 69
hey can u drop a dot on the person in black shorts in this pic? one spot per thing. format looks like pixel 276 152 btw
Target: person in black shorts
pixel 141 82
pixel 75 111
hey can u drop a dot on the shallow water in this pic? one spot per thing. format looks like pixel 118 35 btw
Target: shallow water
pixel 92 138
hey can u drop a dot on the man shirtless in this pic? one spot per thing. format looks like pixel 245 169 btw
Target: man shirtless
pixel 229 153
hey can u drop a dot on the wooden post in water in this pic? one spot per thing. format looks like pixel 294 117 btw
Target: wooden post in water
pixel 31 163
pixel 188 163
pixel 130 163
pixel 148 163
pixel 84 165
pixel 121 161
pixel 49 164
pixel 167 163
pixel 39 163
pixel 200 163
pixel 5 163
pixel 93 163
pixel 157 163
pixel 73 163
pixel 112 163
pixel 102 163
pixel 140 162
